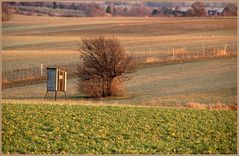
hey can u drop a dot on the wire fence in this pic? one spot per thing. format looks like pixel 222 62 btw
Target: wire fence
pixel 37 73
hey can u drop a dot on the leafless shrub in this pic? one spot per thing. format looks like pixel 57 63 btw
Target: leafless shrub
pixel 104 62
pixel 197 9
pixel 140 11
pixel 95 10
pixel 91 86
pixel 118 87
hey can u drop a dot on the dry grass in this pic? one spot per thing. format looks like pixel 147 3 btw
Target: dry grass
pixel 14 56
pixel 180 51
pixel 81 102
pixel 197 105
pixel 223 107
pixel 221 53
pixel 27 81
pixel 16 59
pixel 217 106
pixel 191 105
pixel 152 60
pixel 30 54
pixel 85 20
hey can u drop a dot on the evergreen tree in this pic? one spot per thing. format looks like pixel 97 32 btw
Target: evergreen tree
pixel 155 12
pixel 54 5
pixel 108 10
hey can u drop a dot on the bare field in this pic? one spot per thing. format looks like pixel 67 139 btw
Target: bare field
pixel 25 58
pixel 137 34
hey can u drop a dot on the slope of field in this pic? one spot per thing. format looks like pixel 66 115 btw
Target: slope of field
pixel 203 82
pixel 28 34
pixel 207 82
pixel 52 129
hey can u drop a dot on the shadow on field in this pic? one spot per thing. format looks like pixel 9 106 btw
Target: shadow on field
pixel 109 98
pixel 83 97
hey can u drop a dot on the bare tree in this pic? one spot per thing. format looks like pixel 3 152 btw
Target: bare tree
pixel 230 10
pixel 54 5
pixel 6 12
pixel 104 64
pixel 108 10
pixel 119 11
pixel 198 9
pixel 95 10
pixel 140 11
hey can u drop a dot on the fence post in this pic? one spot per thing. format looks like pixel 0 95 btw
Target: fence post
pixel 35 73
pixel 173 53
pixel 141 51
pixel 225 49
pixel 41 70
pixel 150 51
pixel 21 74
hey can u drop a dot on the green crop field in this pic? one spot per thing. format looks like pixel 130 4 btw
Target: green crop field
pixel 35 37
pixel 41 129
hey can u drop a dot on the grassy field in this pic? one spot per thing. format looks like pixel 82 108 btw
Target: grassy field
pixel 34 36
pixel 207 82
pixel 44 128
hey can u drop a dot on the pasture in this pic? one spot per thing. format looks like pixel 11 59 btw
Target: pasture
pixel 208 82
pixel 55 40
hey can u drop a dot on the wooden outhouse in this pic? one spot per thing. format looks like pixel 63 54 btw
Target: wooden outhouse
pixel 56 81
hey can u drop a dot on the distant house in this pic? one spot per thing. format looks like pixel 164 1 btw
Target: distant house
pixel 180 12
pixel 214 12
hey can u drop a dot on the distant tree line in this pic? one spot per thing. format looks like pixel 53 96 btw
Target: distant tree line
pixel 144 9
pixel 196 9
pixel 230 10
pixel 91 9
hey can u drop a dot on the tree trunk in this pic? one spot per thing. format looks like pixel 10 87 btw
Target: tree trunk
pixel 109 91
pixel 103 88
pixel 106 87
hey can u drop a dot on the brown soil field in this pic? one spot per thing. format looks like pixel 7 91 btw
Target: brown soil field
pixel 33 40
